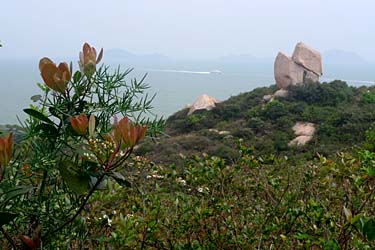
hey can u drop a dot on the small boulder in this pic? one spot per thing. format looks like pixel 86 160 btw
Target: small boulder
pixel 224 132
pixel 304 128
pixel 300 140
pixel 203 102
pixel 281 93
pixel 267 98
pixel 304 132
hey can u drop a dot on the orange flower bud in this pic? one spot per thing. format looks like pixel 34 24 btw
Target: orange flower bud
pixel 88 60
pixel 128 133
pixel 28 241
pixel 80 124
pixel 54 77
pixel 6 150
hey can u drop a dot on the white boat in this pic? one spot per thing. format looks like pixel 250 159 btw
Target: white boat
pixel 216 71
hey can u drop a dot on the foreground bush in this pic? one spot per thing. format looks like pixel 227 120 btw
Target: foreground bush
pixel 256 203
pixel 70 146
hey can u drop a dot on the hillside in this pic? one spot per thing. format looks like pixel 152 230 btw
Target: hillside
pixel 342 115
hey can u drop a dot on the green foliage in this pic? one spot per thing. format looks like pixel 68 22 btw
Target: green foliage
pixel 257 201
pixel 323 94
pixel 69 147
pixel 368 97
pixel 339 112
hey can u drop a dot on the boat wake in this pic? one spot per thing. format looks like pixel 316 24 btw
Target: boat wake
pixel 180 71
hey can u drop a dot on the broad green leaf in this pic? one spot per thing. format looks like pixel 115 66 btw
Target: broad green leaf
pixel 38 115
pixel 369 229
pixel 120 179
pixel 6 217
pixel 76 180
pixel 47 128
pixel 77 76
pixel 36 98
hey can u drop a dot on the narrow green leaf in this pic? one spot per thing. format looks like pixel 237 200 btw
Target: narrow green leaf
pixel 14 192
pixel 369 229
pixel 120 179
pixel 38 115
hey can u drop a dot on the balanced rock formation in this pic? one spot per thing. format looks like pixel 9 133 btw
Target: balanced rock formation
pixel 304 132
pixel 203 102
pixel 308 58
pixel 304 65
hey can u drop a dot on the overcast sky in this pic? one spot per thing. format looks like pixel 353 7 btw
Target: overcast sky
pixel 186 28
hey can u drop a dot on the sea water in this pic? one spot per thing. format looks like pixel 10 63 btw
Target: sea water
pixel 175 83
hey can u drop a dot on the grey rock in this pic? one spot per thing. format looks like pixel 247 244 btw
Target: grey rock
pixel 203 102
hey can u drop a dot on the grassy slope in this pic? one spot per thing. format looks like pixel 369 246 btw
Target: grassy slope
pixel 342 115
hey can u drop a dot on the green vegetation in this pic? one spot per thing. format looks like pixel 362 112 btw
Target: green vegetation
pixel 259 202
pixel 221 179
pixel 71 144
pixel 342 115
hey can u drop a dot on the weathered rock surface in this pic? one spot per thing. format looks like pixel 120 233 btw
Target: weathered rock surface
pixel 300 140
pixel 304 65
pixel 304 132
pixel 287 72
pixel 268 98
pixel 304 128
pixel 309 58
pixel 203 102
pixel 281 93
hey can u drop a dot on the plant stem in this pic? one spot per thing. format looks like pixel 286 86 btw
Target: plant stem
pixel 9 238
pixel 92 190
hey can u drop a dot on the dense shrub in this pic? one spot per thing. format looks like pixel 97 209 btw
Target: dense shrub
pixel 258 202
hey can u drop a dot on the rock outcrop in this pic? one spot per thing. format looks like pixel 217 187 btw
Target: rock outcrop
pixel 281 93
pixel 203 102
pixel 304 132
pixel 308 58
pixel 304 65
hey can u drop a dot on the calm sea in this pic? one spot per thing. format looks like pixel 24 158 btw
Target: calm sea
pixel 175 83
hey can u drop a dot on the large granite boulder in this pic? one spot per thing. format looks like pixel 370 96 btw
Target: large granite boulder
pixel 203 102
pixel 304 132
pixel 305 65
pixel 287 72
pixel 308 58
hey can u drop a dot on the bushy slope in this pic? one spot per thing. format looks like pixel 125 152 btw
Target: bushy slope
pixel 342 115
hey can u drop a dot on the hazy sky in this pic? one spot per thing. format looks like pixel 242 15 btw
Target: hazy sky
pixel 186 28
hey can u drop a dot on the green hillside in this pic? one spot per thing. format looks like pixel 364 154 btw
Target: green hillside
pixel 341 113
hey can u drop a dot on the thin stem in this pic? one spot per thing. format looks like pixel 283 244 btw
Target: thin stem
pixel 9 238
pixel 92 190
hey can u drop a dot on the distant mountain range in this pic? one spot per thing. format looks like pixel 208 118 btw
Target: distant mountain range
pixel 338 57
pixel 342 57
